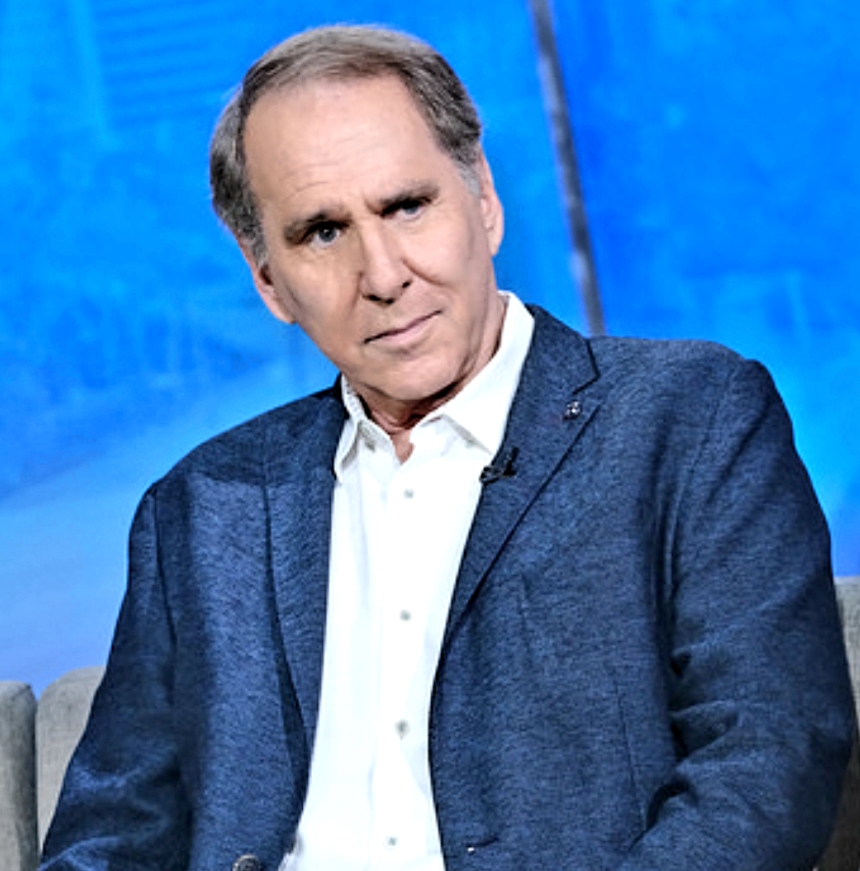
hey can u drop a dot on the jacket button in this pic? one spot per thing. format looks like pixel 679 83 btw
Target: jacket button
pixel 248 862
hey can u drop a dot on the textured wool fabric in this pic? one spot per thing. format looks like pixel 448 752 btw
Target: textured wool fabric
pixel 843 852
pixel 631 676
pixel 16 705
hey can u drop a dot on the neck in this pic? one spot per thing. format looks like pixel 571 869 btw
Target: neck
pixel 398 423
pixel 402 445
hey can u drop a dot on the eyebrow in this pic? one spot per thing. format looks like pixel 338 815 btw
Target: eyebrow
pixel 419 190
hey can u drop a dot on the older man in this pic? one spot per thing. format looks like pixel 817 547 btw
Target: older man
pixel 503 598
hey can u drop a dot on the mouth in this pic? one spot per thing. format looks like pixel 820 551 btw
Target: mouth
pixel 402 335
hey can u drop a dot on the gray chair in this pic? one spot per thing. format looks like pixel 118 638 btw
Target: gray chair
pixel 61 715
pixel 843 852
pixel 18 848
pixel 36 742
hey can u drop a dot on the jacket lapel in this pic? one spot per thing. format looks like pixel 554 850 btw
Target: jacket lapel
pixel 549 411
pixel 299 486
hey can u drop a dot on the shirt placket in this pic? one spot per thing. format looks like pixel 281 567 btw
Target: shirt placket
pixel 399 812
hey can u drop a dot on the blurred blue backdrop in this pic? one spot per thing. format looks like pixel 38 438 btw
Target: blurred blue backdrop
pixel 718 145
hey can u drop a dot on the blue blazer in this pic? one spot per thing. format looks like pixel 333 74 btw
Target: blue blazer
pixel 642 666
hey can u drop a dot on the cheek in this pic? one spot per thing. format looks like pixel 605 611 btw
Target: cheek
pixel 312 290
pixel 448 253
pixel 324 310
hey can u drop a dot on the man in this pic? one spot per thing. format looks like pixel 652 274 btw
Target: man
pixel 503 598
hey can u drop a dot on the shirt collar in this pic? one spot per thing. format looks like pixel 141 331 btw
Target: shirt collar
pixel 479 411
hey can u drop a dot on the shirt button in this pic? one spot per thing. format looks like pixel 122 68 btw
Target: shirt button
pixel 408 493
pixel 402 728
pixel 405 616
pixel 391 842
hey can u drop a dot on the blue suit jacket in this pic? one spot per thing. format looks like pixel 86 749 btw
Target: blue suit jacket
pixel 642 666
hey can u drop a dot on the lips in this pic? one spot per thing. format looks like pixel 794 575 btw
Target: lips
pixel 405 333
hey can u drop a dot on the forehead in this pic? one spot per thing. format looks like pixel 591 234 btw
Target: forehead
pixel 333 128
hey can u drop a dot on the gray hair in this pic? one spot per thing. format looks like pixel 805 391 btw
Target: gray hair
pixel 338 53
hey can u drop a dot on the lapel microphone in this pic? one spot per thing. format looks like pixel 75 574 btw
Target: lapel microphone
pixel 503 469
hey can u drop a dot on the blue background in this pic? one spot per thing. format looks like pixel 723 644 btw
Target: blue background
pixel 718 145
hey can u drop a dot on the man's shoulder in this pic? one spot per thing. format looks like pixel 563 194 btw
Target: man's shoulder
pixel 637 363
pixel 690 368
pixel 618 350
pixel 640 385
pixel 243 451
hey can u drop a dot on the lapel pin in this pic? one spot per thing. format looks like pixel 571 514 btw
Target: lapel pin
pixel 574 409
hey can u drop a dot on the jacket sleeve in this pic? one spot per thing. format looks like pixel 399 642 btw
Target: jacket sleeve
pixel 760 701
pixel 122 803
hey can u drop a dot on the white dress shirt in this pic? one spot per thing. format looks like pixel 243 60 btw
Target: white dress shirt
pixel 398 533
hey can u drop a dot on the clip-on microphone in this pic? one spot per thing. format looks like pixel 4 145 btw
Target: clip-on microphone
pixel 503 469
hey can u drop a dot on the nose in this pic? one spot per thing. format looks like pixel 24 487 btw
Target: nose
pixel 383 271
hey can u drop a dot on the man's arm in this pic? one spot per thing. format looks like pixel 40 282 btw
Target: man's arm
pixel 760 702
pixel 122 804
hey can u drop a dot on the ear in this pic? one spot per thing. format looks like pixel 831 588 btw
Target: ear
pixel 262 277
pixel 491 207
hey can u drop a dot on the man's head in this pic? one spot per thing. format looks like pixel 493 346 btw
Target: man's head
pixel 367 214
pixel 339 53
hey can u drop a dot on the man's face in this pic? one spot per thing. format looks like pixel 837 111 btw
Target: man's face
pixel 376 246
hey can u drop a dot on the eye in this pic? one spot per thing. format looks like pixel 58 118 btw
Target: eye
pixel 411 207
pixel 323 234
